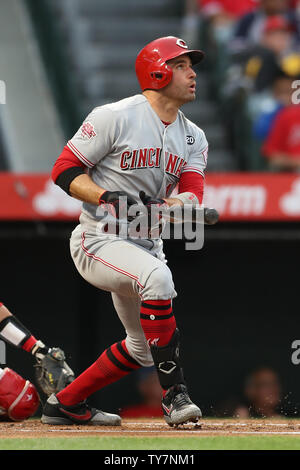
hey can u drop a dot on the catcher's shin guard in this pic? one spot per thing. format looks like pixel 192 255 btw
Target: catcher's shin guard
pixel 167 362
pixel 19 399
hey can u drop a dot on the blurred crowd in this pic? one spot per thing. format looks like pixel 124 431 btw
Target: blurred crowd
pixel 253 57
pixel 260 396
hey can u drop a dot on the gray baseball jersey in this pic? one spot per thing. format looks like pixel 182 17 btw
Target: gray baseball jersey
pixel 127 148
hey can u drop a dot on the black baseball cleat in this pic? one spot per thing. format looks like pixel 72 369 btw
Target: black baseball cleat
pixel 56 413
pixel 178 407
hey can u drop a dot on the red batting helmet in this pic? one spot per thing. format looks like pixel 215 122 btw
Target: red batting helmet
pixel 151 68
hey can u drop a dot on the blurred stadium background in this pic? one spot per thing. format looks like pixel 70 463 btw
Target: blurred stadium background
pixel 238 297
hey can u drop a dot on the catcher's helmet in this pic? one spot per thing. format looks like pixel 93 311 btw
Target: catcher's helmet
pixel 151 68
pixel 19 398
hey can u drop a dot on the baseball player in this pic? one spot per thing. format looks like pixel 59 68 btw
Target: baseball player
pixel 51 371
pixel 137 150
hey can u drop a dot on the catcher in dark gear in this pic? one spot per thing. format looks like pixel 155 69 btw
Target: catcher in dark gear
pixel 51 370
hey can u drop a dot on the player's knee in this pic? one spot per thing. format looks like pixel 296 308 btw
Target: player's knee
pixel 139 350
pixel 19 398
pixel 159 284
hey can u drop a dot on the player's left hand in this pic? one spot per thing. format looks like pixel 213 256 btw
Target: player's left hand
pixel 154 220
pixel 149 200
pixel 119 201
pixel 52 372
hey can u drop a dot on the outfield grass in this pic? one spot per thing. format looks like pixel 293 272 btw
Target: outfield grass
pixel 283 442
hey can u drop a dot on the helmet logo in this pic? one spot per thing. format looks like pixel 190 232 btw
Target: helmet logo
pixel 181 43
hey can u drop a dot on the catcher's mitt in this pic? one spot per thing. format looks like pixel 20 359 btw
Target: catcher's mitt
pixel 52 373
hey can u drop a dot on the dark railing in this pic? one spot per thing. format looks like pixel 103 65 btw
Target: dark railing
pixel 56 64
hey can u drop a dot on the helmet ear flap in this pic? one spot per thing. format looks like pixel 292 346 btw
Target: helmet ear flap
pixel 160 75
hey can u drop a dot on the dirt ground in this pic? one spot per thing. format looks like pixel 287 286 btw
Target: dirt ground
pixel 152 427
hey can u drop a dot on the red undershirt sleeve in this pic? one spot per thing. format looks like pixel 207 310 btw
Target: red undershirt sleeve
pixel 66 160
pixel 192 182
pixel 66 168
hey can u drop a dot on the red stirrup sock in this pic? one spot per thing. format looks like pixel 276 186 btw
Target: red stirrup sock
pixel 158 321
pixel 113 364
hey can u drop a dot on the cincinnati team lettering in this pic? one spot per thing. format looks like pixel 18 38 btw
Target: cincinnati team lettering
pixel 151 158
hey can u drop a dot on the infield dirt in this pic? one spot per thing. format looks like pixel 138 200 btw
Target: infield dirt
pixel 152 427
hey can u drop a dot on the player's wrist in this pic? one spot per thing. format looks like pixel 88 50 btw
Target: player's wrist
pixel 187 198
pixel 100 196
pixel 39 349
pixel 171 201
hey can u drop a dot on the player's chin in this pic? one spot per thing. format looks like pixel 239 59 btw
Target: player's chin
pixel 191 96
pixel 187 98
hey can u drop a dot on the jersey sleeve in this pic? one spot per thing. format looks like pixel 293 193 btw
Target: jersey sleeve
pixel 96 136
pixel 198 157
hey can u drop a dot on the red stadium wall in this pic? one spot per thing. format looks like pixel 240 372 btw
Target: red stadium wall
pixel 237 197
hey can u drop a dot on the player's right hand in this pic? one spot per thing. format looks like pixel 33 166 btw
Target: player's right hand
pixel 117 200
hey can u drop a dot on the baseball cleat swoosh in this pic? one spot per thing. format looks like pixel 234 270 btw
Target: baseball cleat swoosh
pixel 167 410
pixel 84 417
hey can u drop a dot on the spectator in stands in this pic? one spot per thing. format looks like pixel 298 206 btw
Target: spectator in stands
pixel 250 28
pixel 278 34
pixel 281 95
pixel 254 71
pixel 261 398
pixel 150 392
pixel 220 14
pixel 226 10
pixel 282 146
pixel 262 395
pixel 255 68
pixel 259 82
pixel 223 15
